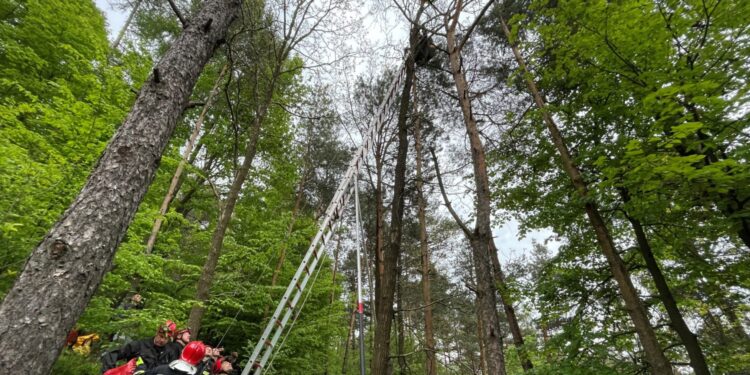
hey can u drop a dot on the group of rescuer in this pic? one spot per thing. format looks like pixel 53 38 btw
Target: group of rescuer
pixel 169 352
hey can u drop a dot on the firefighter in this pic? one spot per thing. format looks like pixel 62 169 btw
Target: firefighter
pixel 148 353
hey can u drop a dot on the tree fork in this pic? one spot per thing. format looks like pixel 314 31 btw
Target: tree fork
pixel 63 272
pixel 481 237
pixel 386 288
pixel 654 354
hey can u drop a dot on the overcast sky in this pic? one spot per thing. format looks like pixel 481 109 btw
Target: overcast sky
pixel 510 246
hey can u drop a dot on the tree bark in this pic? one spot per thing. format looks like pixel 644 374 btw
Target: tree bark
pixel 481 237
pixel 689 339
pixel 349 337
pixel 64 271
pixel 217 238
pixel 510 312
pixel 654 354
pixel 402 366
pixel 387 285
pixel 181 166
pixel 424 250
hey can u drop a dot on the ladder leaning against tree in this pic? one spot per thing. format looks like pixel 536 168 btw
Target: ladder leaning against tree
pixel 288 303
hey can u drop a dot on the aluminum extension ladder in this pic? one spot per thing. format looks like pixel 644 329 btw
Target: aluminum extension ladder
pixel 288 303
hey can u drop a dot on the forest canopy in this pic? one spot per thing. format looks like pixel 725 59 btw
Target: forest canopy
pixel 178 169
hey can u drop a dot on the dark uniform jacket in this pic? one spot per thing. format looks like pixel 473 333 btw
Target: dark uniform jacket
pixel 173 351
pixel 148 354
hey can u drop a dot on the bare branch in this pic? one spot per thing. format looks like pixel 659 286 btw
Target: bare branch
pixel 448 205
pixel 474 25
pixel 177 12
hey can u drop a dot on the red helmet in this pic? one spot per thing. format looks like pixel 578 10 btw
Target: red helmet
pixel 179 333
pixel 193 352
pixel 217 365
pixel 168 328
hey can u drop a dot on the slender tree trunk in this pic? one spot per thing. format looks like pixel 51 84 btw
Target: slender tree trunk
pixel 125 27
pixel 181 204
pixel 217 239
pixel 349 338
pixel 481 238
pixel 402 366
pixel 654 354
pixel 429 337
pixel 63 272
pixel 181 166
pixel 716 328
pixel 689 339
pixel 384 309
pixel 482 347
pixel 379 228
pixel 510 312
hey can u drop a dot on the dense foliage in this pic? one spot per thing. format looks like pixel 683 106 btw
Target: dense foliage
pixel 651 96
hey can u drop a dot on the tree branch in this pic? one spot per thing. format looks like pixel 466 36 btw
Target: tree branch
pixel 474 25
pixel 448 205
pixel 177 12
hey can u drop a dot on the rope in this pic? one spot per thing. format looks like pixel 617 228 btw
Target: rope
pixel 360 302
pixel 302 305
pixel 294 320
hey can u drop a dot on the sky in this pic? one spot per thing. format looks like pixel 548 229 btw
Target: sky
pixel 387 31
pixel 115 18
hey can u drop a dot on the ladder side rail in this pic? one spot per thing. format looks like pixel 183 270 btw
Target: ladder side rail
pixel 285 319
pixel 333 212
pixel 325 227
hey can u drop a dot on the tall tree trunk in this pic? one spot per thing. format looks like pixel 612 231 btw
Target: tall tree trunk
pixel 481 238
pixel 424 250
pixel 689 339
pixel 510 312
pixel 654 354
pixel 349 338
pixel 387 284
pixel 65 270
pixel 125 27
pixel 402 366
pixel 183 161
pixel 482 347
pixel 217 239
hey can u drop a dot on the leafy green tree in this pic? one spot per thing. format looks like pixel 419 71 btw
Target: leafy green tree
pixel 61 103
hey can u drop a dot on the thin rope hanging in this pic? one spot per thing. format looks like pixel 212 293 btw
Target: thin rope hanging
pixel 360 304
